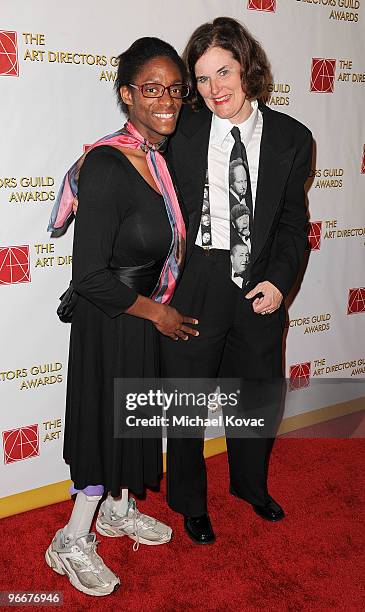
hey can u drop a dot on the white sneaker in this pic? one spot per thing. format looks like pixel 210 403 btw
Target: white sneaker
pixel 79 560
pixel 139 527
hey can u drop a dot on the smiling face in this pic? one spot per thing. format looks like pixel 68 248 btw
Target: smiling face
pixel 219 82
pixel 154 118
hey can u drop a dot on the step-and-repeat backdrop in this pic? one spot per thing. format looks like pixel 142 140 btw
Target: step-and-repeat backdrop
pixel 57 68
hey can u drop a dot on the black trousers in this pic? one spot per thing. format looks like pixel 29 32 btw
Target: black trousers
pixel 234 342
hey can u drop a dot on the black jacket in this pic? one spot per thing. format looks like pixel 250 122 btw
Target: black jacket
pixel 279 237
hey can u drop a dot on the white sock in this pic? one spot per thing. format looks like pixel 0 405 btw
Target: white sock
pixel 118 505
pixel 81 516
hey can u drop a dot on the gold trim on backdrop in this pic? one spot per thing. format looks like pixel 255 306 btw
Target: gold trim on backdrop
pixel 54 493
pixel 314 417
pixel 35 498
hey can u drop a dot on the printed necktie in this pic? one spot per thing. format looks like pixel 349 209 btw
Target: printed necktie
pixel 241 211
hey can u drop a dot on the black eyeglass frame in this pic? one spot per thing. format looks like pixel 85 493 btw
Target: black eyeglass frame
pixel 169 87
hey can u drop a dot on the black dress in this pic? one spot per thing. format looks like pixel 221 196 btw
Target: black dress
pixel 120 221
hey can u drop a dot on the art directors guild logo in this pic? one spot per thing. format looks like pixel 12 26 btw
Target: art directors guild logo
pixel 9 64
pixel 314 235
pixel 23 442
pixel 14 265
pixel 323 74
pixel 20 443
pixel 338 10
pixel 356 301
pixel 28 189
pixel 269 6
pixel 15 262
pixel 299 375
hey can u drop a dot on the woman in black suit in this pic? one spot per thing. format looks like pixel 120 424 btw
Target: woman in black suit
pixel 241 320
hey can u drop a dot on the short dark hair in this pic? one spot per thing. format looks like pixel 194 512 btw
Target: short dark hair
pixel 131 61
pixel 231 35
pixel 238 210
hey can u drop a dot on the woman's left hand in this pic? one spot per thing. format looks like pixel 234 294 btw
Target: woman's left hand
pixel 269 302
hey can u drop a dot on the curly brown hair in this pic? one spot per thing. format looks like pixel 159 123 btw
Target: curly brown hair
pixel 231 35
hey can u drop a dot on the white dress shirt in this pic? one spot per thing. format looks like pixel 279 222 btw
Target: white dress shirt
pixel 221 142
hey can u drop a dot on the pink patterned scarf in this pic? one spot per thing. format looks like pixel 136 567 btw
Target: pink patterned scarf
pixel 129 137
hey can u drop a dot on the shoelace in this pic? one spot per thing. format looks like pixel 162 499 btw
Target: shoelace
pixel 90 557
pixel 133 506
pixel 138 521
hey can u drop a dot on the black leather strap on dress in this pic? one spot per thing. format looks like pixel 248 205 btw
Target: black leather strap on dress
pixel 142 279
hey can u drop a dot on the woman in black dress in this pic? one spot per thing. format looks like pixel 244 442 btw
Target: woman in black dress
pixel 123 228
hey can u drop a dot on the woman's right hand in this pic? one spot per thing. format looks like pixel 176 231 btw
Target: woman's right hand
pixel 171 323
pixel 167 320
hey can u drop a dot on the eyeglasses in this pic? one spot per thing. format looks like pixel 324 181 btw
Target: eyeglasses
pixel 156 90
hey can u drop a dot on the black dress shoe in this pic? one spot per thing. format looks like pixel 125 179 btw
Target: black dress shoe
pixel 271 512
pixel 199 529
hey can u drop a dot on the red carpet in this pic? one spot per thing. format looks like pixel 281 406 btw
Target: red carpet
pixel 313 560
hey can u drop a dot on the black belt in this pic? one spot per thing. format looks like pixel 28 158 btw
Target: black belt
pixel 214 254
pixel 142 279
